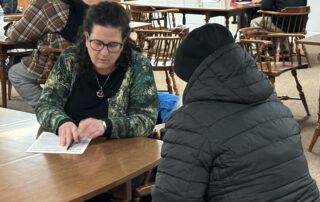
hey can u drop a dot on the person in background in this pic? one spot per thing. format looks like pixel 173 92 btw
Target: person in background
pixel 9 6
pixel 275 5
pixel 102 87
pixel 232 139
pixel 52 24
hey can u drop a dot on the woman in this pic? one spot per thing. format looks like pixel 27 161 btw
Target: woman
pixel 101 87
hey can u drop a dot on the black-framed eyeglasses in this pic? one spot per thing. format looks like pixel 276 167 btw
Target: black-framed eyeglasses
pixel 113 47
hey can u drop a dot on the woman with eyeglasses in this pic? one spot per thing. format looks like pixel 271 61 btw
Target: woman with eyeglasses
pixel 102 86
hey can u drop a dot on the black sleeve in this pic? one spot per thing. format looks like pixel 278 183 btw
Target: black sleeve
pixel 108 131
pixel 268 5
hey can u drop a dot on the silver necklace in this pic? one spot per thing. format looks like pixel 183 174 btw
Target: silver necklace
pixel 100 93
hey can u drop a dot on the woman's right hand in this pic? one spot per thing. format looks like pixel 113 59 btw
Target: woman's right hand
pixel 68 132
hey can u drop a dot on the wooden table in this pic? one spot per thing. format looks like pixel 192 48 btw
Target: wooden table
pixel 105 165
pixel 136 24
pixel 209 8
pixel 12 17
pixel 313 40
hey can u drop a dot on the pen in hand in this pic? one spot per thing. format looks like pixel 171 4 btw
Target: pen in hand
pixel 71 143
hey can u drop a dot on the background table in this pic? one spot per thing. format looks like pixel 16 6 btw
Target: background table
pixel 105 165
pixel 208 8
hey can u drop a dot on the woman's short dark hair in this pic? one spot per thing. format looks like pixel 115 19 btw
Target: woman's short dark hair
pixel 107 14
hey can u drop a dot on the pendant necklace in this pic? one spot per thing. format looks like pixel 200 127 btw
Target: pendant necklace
pixel 100 93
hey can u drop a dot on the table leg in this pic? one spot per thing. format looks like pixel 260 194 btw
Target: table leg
pixel 183 18
pixel 3 78
pixel 227 21
pixel 122 193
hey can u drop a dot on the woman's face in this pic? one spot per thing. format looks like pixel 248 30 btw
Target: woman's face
pixel 104 46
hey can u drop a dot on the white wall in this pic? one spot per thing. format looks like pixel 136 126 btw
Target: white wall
pixel 313 26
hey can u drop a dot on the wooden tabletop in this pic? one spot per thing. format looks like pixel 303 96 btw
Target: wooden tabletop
pixel 311 40
pixel 200 5
pixel 136 24
pixel 65 177
pixel 209 8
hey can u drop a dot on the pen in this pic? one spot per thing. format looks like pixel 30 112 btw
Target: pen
pixel 71 143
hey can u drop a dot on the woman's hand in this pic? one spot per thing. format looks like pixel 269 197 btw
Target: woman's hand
pixel 68 132
pixel 91 128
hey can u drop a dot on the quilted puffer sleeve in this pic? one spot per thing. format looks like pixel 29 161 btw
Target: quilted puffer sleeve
pixel 184 170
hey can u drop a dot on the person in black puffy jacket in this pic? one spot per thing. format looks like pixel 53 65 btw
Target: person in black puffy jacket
pixel 232 140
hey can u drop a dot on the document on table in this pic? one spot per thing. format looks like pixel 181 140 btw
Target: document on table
pixel 49 143
pixel 243 2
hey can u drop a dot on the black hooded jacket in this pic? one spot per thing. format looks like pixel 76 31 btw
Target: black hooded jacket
pixel 232 140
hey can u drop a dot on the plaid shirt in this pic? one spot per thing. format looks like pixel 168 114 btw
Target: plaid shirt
pixel 41 22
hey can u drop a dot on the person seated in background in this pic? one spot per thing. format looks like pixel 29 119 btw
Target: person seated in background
pixel 232 139
pixel 275 5
pixel 102 86
pixel 9 6
pixel 52 24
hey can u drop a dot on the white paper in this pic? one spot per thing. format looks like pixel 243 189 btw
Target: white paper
pixel 243 2
pixel 49 143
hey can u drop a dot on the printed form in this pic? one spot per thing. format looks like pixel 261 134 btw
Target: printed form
pixel 49 143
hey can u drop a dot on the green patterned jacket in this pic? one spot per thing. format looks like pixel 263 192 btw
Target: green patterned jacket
pixel 133 110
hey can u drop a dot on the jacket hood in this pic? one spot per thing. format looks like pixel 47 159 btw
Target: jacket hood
pixel 229 74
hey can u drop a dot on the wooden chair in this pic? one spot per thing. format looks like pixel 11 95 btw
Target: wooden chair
pixel 23 4
pixel 142 34
pixel 271 59
pixel 162 23
pixel 290 20
pixel 53 54
pixel 159 18
pixel 161 52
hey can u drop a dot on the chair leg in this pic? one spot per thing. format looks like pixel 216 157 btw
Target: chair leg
pixel 136 199
pixel 306 55
pixel 315 136
pixel 272 79
pixel 175 87
pixel 9 89
pixel 168 83
pixel 301 93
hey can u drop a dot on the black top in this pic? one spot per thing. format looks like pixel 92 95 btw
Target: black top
pixel 278 5
pixel 76 15
pixel 84 102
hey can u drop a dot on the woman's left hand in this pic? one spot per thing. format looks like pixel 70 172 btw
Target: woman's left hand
pixel 91 128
